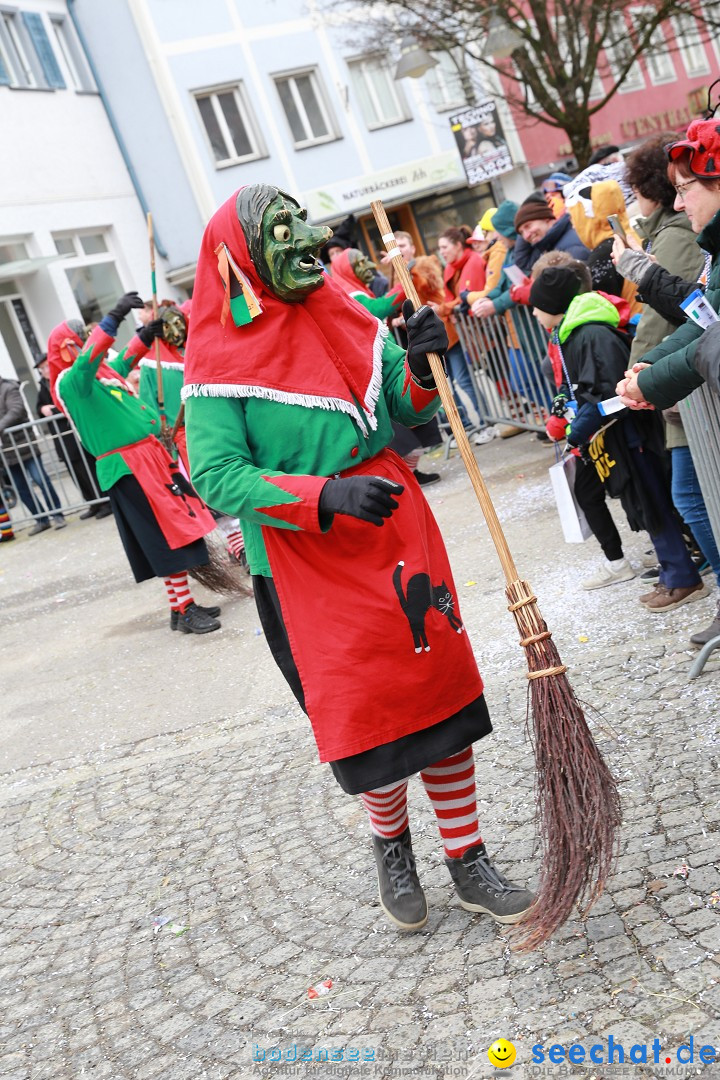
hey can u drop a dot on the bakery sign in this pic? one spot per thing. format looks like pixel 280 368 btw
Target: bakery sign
pixel 392 185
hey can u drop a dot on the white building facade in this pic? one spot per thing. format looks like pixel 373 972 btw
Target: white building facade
pixel 73 236
pixel 224 93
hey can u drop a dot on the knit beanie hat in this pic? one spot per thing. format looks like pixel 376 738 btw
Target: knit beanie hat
pixel 504 219
pixel 554 289
pixel 533 211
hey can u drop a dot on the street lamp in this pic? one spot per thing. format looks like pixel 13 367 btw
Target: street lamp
pixel 414 60
pixel 501 40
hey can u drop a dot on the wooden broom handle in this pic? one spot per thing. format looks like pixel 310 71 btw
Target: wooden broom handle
pixel 448 402
pixel 158 365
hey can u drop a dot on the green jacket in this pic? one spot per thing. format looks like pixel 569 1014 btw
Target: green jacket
pixel 672 375
pixel 107 417
pixel 236 443
pixel 172 380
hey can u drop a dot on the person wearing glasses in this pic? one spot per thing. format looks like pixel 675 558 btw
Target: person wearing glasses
pixel 667 374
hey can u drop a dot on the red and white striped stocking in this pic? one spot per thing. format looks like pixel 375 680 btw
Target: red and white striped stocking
pixel 235 543
pixel 450 785
pixel 387 808
pixel 178 591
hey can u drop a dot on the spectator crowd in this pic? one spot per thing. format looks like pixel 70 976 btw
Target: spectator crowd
pixel 602 262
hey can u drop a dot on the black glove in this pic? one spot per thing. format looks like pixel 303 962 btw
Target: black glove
pixel 150 331
pixel 125 305
pixel 369 498
pixel 426 333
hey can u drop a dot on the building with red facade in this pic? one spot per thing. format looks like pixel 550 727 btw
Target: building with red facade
pixel 663 91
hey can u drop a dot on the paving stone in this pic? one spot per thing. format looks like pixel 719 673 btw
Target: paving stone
pixel 275 878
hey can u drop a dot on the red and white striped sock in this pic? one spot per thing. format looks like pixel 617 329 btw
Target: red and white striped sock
pixel 178 591
pixel 450 785
pixel 387 809
pixel 235 543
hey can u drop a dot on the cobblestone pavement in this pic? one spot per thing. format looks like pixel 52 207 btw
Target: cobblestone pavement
pixel 149 775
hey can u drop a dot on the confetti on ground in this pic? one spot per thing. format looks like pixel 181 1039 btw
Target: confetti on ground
pixel 582 638
pixel 321 989
pixel 469 584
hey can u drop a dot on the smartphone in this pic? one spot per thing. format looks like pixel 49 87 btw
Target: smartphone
pixel 616 226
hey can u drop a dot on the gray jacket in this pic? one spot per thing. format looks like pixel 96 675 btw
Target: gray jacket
pixel 12 412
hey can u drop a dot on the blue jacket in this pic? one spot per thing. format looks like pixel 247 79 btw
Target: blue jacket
pixel 560 237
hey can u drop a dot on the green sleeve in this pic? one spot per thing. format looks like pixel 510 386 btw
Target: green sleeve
pixel 125 361
pixel 226 477
pixel 672 375
pixel 382 307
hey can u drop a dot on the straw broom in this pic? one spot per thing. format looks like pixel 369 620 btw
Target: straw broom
pixel 578 805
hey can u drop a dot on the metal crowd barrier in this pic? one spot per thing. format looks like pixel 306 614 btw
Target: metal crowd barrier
pixel 700 414
pixel 51 477
pixel 505 353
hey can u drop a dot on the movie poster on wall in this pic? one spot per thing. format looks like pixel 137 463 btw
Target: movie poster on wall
pixel 481 142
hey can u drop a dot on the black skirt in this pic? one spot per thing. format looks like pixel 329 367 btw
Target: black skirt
pixel 389 762
pixel 145 545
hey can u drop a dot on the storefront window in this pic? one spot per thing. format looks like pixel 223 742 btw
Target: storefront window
pixel 440 212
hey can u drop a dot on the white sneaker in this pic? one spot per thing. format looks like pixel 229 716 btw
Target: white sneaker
pixel 650 559
pixel 608 576
pixel 485 435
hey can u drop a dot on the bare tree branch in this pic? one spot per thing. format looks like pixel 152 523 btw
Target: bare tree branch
pixel 563 51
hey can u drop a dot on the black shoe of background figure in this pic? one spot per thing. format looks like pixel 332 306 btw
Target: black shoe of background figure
pixel 211 612
pixel 90 512
pixel 482 888
pixel 194 620
pixel 401 895
pixel 103 510
pixel 425 478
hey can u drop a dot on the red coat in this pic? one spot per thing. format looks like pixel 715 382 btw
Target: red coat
pixel 468 272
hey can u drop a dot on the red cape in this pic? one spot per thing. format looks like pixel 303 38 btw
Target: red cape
pixel 64 345
pixel 251 360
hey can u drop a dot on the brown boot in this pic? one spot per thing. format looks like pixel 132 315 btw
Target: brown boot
pixel 668 599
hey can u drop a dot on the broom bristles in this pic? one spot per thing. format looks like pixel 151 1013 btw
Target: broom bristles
pixel 578 805
pixel 219 575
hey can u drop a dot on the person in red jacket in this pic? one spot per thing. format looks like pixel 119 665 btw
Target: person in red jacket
pixel 464 271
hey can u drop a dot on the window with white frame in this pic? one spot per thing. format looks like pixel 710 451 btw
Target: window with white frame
pixel 306 108
pixel 93 275
pixel 657 56
pixel 381 99
pixel 16 52
pixel 70 55
pixel 618 50
pixel 27 56
pixel 444 83
pixel 707 10
pixel 229 125
pixel 689 40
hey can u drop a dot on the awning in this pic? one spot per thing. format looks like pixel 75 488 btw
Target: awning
pixel 23 267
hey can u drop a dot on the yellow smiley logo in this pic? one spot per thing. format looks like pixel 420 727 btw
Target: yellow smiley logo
pixel 502 1054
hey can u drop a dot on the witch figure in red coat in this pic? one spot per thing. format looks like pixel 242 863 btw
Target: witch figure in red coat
pixel 290 391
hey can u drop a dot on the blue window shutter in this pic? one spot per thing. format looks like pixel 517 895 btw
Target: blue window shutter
pixel 43 48
pixel 4 74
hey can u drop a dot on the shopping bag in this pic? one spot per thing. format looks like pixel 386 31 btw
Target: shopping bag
pixel 574 523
